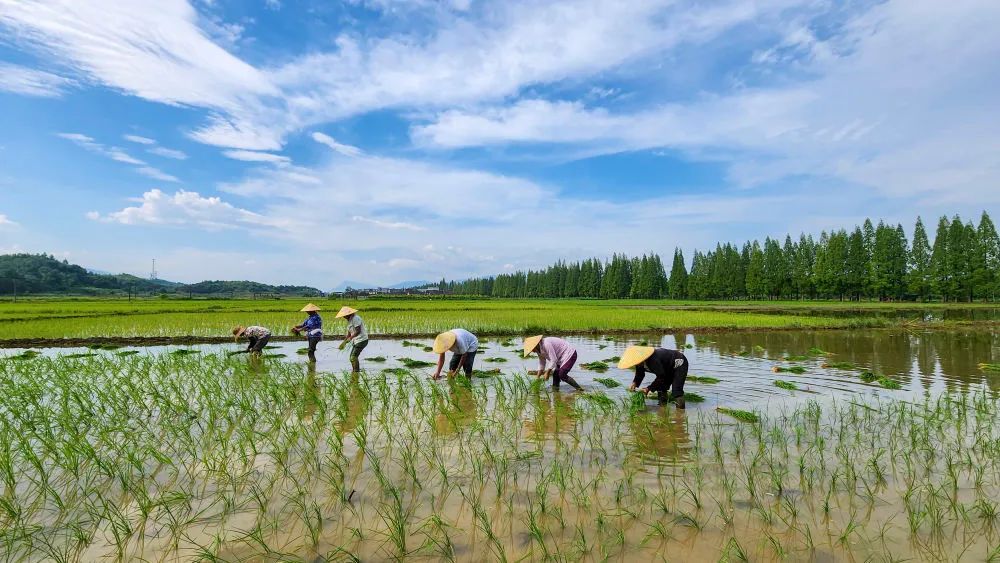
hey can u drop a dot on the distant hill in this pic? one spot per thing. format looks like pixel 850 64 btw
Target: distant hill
pixel 44 274
pixel 40 273
pixel 243 287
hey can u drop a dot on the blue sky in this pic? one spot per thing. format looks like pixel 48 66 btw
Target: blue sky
pixel 385 140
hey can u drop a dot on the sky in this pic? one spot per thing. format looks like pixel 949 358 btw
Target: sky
pixel 299 142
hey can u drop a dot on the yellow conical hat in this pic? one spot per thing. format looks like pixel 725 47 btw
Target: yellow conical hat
pixel 635 355
pixel 344 311
pixel 531 343
pixel 309 308
pixel 443 342
pixel 238 331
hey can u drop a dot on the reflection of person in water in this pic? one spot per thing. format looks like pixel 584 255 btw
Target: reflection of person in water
pixel 357 406
pixel 458 409
pixel 662 434
pixel 554 415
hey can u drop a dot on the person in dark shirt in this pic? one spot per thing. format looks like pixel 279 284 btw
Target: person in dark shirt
pixel 313 327
pixel 669 366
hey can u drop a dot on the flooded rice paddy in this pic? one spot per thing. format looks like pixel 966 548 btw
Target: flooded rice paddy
pixel 879 445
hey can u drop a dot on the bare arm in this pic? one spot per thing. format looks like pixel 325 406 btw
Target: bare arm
pixel 437 372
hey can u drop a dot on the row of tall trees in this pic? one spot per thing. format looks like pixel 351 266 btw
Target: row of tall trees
pixel 867 262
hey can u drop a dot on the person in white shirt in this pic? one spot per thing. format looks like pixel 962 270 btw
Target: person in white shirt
pixel 357 335
pixel 463 346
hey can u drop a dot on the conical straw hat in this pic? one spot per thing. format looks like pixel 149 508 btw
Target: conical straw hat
pixel 635 355
pixel 443 342
pixel 238 331
pixel 344 311
pixel 309 308
pixel 531 343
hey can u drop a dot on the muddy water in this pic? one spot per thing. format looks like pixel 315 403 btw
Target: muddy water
pixel 922 362
pixel 636 488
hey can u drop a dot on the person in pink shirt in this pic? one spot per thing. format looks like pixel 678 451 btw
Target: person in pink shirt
pixel 557 352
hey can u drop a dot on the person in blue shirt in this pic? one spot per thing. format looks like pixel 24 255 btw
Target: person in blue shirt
pixel 313 327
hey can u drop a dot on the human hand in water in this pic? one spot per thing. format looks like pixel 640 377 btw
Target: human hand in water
pixel 631 387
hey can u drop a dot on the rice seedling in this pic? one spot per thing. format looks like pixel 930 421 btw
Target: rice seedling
pixel 889 383
pixel 703 379
pixel 612 360
pixel 994 368
pixel 745 416
pixel 798 358
pixel 785 385
pixel 789 369
pixel 486 372
pixel 376 359
pixel 692 397
pixel 848 366
pixel 410 363
pixel 495 360
pixel 185 352
pixel 157 456
pixel 607 382
pixel 80 355
pixel 868 376
pixel 597 366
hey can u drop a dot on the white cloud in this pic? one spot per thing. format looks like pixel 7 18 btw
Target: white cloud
pixel 156 50
pixel 256 156
pixel 156 174
pixel 139 139
pixel 387 224
pixel 901 100
pixel 168 153
pixel 346 150
pixel 182 208
pixel 6 222
pixel 32 82
pixel 119 155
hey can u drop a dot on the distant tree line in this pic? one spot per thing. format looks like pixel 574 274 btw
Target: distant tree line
pixel 868 262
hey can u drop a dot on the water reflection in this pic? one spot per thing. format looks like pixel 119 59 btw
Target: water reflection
pixel 553 414
pixel 660 437
pixel 457 408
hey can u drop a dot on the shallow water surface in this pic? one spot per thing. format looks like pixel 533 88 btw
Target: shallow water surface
pixel 168 456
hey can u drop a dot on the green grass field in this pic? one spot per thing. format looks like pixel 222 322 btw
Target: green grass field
pixel 81 318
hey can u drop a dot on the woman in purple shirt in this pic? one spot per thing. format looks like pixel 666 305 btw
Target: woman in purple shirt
pixel 556 351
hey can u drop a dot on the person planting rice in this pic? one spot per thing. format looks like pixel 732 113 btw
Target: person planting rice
pixel 257 336
pixel 556 351
pixel 313 327
pixel 357 335
pixel 669 366
pixel 463 346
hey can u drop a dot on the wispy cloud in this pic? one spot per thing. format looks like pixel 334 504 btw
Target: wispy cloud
pixel 257 156
pixel 32 82
pixel 139 139
pixel 346 150
pixel 119 155
pixel 6 222
pixel 168 153
pixel 387 224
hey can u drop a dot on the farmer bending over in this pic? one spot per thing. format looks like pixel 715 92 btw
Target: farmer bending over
pixel 669 366
pixel 256 335
pixel 463 346
pixel 557 351
pixel 313 327
pixel 357 336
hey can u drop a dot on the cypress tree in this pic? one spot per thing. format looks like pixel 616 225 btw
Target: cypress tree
pixel 678 276
pixel 919 277
pixel 940 271
pixel 988 283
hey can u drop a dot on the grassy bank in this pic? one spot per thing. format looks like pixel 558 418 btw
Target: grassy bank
pixel 46 319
